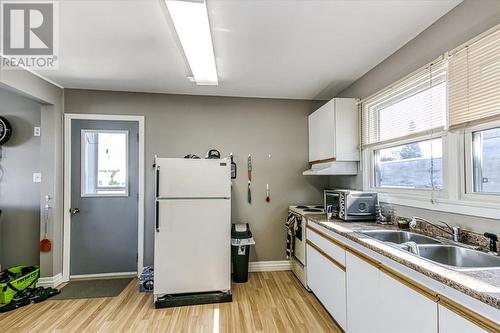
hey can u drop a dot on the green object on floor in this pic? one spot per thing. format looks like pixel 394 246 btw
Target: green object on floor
pixel 93 288
pixel 15 279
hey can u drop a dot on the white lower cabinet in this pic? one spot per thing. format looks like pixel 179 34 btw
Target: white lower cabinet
pixel 363 296
pixel 403 309
pixel 450 322
pixel 327 282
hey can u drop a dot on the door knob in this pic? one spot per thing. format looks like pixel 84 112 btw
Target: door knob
pixel 74 211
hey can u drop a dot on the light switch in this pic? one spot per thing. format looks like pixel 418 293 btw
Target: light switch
pixel 36 131
pixel 37 177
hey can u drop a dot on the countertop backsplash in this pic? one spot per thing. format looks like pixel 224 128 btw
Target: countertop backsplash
pixel 467 236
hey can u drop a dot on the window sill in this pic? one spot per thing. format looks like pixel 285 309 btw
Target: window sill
pixel 463 207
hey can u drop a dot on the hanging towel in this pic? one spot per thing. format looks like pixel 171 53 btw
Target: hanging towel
pixel 290 234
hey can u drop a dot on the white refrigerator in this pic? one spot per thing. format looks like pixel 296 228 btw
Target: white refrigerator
pixel 192 228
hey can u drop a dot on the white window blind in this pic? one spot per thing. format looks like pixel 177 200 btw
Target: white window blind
pixel 474 81
pixel 412 106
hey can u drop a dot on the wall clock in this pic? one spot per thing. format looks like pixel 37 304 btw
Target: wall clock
pixel 5 130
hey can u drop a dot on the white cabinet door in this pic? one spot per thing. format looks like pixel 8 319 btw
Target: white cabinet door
pixel 404 309
pixel 346 129
pixel 450 322
pixel 363 295
pixel 322 132
pixel 327 282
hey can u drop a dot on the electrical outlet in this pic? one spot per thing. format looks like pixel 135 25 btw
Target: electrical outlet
pixel 37 177
pixel 36 131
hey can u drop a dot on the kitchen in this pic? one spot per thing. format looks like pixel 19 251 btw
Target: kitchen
pixel 384 88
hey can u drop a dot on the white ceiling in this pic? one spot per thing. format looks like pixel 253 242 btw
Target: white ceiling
pixel 279 49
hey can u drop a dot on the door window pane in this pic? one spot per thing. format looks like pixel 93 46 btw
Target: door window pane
pixel 416 165
pixel 104 163
pixel 486 160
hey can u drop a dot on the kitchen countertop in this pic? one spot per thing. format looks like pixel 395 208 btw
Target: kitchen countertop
pixel 483 285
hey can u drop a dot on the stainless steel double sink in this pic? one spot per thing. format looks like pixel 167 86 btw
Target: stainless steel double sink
pixel 451 256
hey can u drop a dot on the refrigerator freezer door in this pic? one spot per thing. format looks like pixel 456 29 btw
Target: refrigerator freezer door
pixel 193 178
pixel 193 246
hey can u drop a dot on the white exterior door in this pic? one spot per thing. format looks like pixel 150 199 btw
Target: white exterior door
pixel 193 246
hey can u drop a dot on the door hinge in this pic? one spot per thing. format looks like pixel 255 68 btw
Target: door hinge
pixel 137 257
pixel 137 137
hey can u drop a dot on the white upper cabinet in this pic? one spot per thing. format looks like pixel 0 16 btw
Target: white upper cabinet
pixel 334 132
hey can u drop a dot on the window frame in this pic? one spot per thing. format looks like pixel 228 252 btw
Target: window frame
pixel 111 191
pixel 457 195
pixel 467 176
pixel 398 144
pixel 453 198
pixel 369 167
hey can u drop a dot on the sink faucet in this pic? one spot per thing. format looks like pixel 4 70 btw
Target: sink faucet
pixel 493 241
pixel 445 227
pixel 412 247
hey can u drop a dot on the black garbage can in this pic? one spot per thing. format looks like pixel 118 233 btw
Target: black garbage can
pixel 241 239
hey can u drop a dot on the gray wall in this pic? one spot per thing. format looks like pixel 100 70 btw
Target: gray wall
pixel 177 125
pixel 467 20
pixel 50 97
pixel 464 22
pixel 19 196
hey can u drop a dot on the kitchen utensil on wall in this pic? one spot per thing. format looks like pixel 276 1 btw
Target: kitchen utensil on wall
pixel 233 167
pixel 268 193
pixel 213 153
pixel 45 243
pixel 249 166
pixel 249 193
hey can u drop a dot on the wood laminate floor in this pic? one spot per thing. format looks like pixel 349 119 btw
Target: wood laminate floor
pixel 269 302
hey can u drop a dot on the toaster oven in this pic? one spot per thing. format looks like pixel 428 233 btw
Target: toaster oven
pixel 349 205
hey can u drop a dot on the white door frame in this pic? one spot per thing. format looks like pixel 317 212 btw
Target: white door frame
pixel 68 117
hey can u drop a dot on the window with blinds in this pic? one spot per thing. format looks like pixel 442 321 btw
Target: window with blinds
pixel 413 106
pixel 474 81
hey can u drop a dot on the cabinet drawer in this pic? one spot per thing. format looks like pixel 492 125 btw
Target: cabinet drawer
pixel 327 282
pixel 328 245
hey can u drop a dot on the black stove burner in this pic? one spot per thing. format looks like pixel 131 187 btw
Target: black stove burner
pixel 312 210
pixel 301 207
pixel 319 207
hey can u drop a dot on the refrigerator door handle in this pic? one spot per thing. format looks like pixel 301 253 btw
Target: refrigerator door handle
pixel 157 217
pixel 157 181
pixel 157 204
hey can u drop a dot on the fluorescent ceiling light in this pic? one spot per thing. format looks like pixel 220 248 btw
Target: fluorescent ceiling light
pixel 190 19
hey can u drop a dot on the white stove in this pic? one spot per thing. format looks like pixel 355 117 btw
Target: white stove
pixel 307 209
pixel 298 216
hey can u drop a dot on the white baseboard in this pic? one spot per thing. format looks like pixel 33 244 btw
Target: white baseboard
pixel 51 281
pixel 270 266
pixel 103 276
